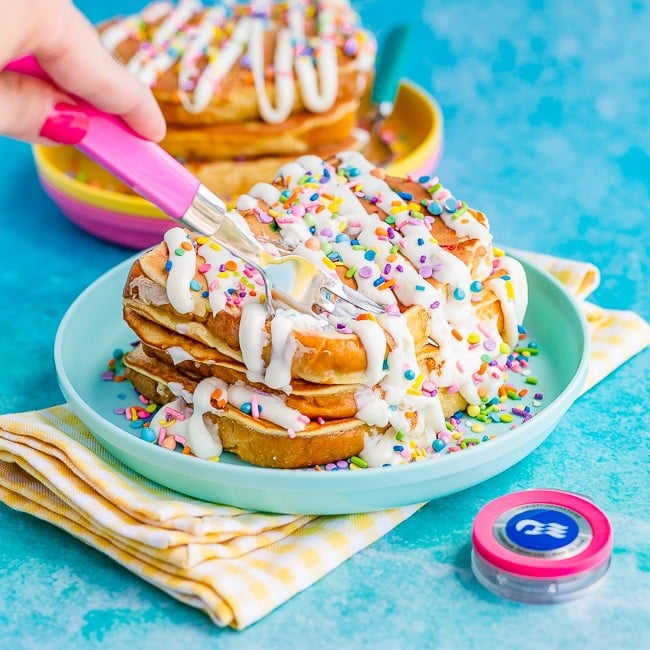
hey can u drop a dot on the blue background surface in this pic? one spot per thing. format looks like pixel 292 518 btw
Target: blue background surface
pixel 547 108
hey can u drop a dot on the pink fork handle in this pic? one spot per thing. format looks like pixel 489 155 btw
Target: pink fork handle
pixel 141 164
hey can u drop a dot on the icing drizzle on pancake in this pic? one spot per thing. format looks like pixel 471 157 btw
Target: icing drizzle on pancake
pixel 321 211
pixel 208 42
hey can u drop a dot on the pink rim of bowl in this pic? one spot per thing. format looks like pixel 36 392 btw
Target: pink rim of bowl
pixel 128 220
pixel 131 230
pixel 123 229
pixel 541 545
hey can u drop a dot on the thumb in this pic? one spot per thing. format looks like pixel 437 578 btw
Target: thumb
pixel 25 104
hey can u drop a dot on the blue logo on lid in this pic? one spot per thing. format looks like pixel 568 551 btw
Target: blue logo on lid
pixel 541 529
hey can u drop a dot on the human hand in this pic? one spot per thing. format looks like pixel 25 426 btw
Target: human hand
pixel 68 48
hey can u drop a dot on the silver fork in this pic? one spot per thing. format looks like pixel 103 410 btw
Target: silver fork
pixel 290 279
pixel 158 177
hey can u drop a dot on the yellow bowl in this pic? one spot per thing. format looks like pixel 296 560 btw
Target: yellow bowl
pixel 94 200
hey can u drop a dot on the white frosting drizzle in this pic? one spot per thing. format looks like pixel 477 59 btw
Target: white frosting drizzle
pixel 185 34
pixel 379 450
pixel 374 343
pixel 273 407
pixel 183 267
pixel 177 389
pixel 318 83
pixel 179 419
pixel 252 339
pixel 202 443
pixel 278 372
pixel 121 30
pixel 284 86
pixel 178 354
pixel 512 295
pixel 183 418
pixel 372 408
pixel 325 221
pixel 215 256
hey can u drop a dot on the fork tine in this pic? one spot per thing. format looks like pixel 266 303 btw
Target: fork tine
pixel 318 306
pixel 325 304
pixel 354 298
pixel 300 284
pixel 358 299
pixel 334 299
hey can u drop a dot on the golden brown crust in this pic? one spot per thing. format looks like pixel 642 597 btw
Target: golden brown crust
pixel 300 133
pixel 311 399
pixel 339 385
pixel 265 449
pixel 231 177
pixel 324 356
pixel 235 100
pixel 257 441
pixel 264 444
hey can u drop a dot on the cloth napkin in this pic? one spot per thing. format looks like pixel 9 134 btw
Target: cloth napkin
pixel 616 335
pixel 235 565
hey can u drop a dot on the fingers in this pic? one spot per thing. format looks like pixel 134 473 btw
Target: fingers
pixel 88 71
pixel 69 49
pixel 26 104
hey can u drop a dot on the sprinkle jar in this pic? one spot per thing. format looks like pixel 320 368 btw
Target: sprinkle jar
pixel 541 546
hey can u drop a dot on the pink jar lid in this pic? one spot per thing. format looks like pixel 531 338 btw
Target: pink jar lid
pixel 541 545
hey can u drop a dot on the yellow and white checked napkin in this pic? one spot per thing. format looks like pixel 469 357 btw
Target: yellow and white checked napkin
pixel 235 565
pixel 616 335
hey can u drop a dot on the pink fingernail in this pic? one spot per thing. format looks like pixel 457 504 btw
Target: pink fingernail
pixel 66 124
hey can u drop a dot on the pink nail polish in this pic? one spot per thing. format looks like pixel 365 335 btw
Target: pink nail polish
pixel 66 124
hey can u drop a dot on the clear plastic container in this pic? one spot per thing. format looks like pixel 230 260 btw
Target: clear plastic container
pixel 541 546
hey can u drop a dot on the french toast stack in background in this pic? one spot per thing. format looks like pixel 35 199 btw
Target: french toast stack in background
pixel 248 85
pixel 292 390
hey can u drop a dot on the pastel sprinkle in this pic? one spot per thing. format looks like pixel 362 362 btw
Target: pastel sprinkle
pixel 438 445
pixel 313 210
pixel 365 272
pixel 473 410
pixel 451 205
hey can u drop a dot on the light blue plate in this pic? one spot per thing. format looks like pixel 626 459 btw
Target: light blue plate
pixel 92 328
